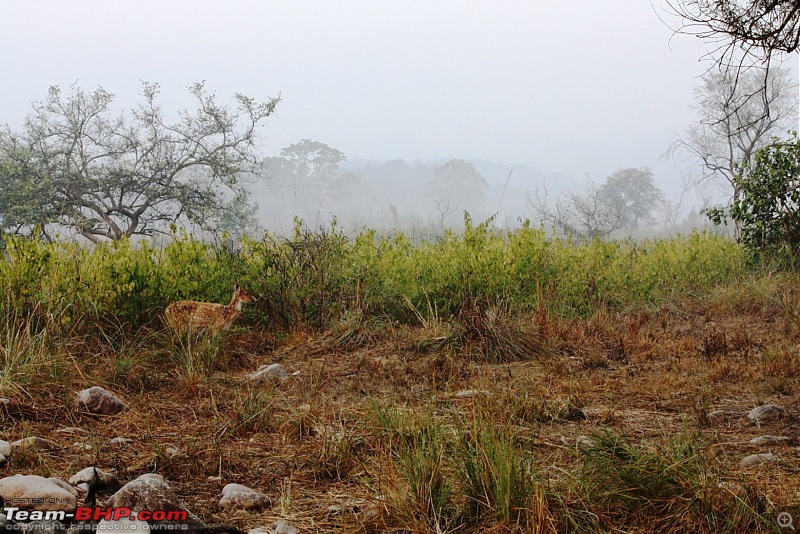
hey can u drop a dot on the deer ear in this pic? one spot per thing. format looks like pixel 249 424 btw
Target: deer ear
pixel 236 286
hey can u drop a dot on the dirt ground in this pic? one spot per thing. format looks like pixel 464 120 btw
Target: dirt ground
pixel 309 441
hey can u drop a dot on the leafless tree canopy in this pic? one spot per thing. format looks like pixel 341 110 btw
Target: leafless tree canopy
pixel 742 29
pixel 733 123
pixel 585 215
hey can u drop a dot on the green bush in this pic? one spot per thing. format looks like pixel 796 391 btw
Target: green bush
pixel 315 278
pixel 768 206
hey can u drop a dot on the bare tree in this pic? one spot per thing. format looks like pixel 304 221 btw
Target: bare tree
pixel 110 175
pixel 733 123
pixel 742 30
pixel 443 206
pixel 745 35
pixel 585 215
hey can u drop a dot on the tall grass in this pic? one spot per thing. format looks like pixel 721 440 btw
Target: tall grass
pixel 317 278
pixel 669 487
pixel 474 293
pixel 497 478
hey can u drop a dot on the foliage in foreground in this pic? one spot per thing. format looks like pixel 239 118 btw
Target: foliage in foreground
pixel 315 279
pixel 768 209
pixel 433 468
pixel 475 471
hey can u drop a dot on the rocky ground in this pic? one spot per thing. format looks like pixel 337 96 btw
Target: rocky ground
pixel 300 443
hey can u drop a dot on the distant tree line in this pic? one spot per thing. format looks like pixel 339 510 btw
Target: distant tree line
pixel 306 181
pixel 78 164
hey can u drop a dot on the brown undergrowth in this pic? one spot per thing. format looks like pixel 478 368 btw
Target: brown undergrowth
pixel 488 422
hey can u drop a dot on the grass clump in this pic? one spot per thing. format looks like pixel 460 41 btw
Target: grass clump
pixel 419 492
pixel 498 478
pixel 252 412
pixel 670 487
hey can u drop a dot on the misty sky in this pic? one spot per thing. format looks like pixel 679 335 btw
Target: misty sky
pixel 578 86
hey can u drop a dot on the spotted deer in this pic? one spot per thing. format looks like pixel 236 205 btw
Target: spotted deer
pixel 190 315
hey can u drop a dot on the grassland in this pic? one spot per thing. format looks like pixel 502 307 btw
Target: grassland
pixel 486 382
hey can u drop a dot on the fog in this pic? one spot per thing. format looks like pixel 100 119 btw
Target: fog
pixel 545 94
pixel 400 195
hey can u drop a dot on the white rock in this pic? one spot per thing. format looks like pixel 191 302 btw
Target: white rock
pixel 87 476
pixel 64 485
pixel 99 401
pixel 768 412
pixel 243 498
pixel 151 492
pixel 34 441
pixel 278 527
pixel 152 476
pixel 585 442
pixel 120 441
pixel 757 459
pixel 32 492
pixel 265 373
pixel 5 448
pixel 245 501
pixel 769 440
pixel 234 488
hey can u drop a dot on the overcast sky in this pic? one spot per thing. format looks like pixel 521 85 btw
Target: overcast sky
pixel 573 86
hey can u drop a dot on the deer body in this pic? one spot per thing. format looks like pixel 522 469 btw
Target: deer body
pixel 189 315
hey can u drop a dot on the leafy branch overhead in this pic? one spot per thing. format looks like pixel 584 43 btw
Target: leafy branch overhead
pixel 78 163
pixel 745 39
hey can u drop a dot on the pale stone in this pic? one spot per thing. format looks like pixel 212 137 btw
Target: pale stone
pixel 757 459
pixel 151 492
pixel 102 479
pixel 265 373
pixel 34 441
pixel 769 440
pixel 243 498
pixel 99 401
pixel 768 412
pixel 32 492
